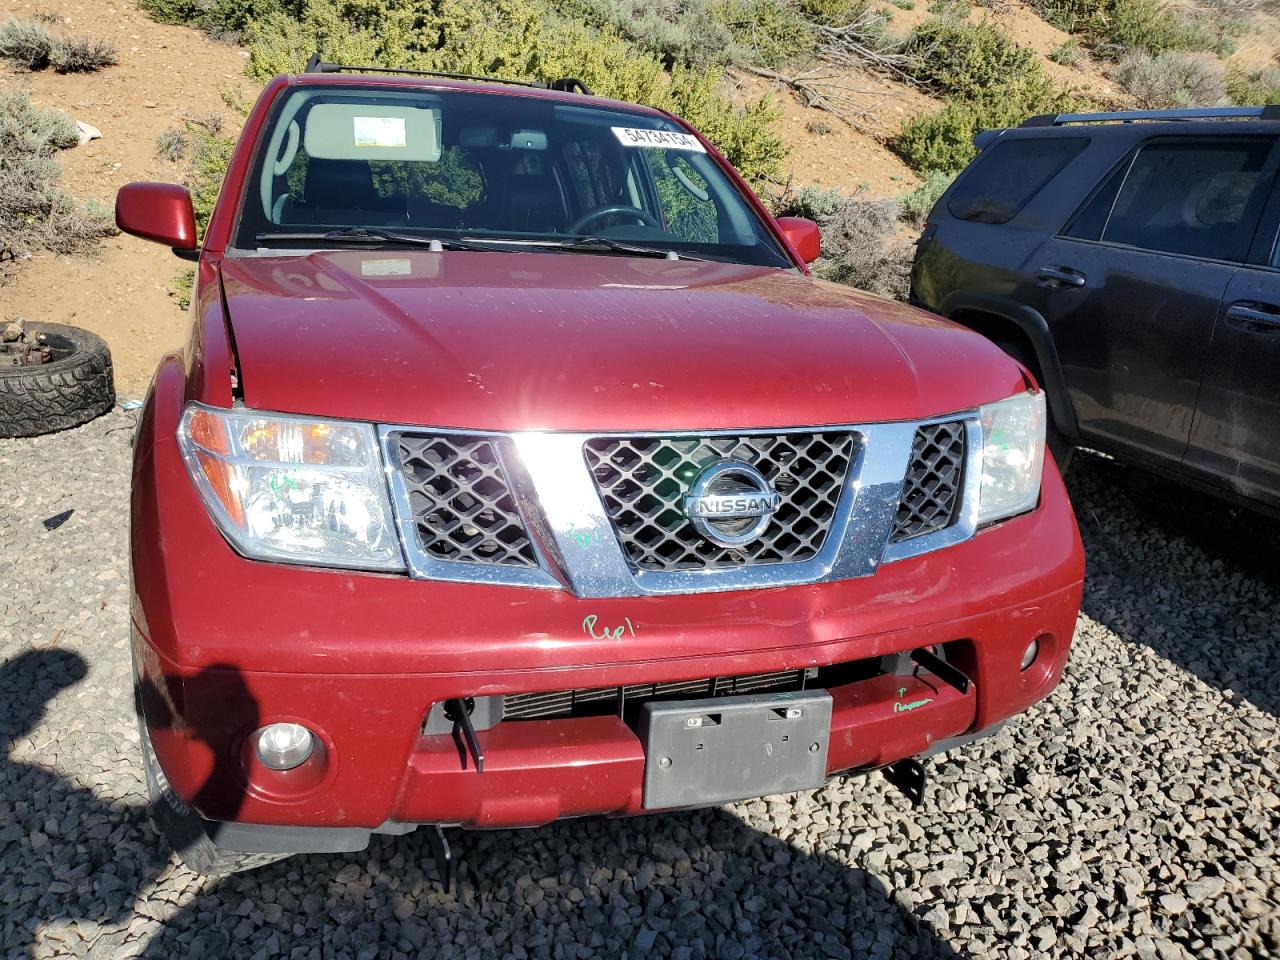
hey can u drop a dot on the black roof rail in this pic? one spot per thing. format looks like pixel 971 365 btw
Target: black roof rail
pixel 1270 112
pixel 565 84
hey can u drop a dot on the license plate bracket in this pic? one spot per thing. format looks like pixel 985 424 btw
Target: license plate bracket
pixel 718 749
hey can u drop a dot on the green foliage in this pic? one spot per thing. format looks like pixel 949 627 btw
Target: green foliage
pixel 775 32
pixel 210 154
pixel 968 59
pixel 1253 89
pixel 1066 53
pixel 219 17
pixel 35 213
pixel 832 13
pixel 944 140
pixel 1113 27
pixel 513 38
pixel 917 203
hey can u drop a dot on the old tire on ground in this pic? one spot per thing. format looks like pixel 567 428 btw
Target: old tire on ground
pixel 72 388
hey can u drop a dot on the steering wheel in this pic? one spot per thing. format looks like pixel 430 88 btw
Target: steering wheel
pixel 647 219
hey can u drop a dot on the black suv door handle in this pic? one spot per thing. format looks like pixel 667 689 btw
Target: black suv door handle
pixel 1254 317
pixel 1059 277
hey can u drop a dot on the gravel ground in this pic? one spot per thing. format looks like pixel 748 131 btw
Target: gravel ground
pixel 1134 813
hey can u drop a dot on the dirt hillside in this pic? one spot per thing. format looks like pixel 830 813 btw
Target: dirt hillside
pixel 122 291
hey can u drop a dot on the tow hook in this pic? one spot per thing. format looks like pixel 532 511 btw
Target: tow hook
pixel 459 711
pixel 442 854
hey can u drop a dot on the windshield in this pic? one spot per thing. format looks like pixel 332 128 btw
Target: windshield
pixel 463 166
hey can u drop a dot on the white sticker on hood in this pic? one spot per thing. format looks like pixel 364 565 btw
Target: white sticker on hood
pixel 631 137
pixel 385 268
pixel 379 131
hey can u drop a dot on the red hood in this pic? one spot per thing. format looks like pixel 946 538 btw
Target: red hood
pixel 519 341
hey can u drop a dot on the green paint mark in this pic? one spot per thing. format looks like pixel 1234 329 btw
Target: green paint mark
pixel 614 633
pixel 907 707
pixel 282 483
pixel 584 536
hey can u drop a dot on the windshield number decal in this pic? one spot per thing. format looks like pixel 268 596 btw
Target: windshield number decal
pixel 631 137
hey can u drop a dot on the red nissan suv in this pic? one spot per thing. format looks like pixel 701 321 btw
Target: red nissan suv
pixel 518 469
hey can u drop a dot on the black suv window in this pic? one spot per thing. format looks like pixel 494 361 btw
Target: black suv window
pixel 1008 174
pixel 1190 198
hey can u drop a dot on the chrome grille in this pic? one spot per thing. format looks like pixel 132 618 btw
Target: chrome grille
pixel 462 504
pixel 643 480
pixel 563 703
pixel 931 488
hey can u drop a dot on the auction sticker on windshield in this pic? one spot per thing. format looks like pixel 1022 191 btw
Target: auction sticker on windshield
pixel 631 137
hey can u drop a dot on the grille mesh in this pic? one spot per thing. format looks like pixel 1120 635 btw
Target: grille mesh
pixel 563 703
pixel 643 481
pixel 931 489
pixel 462 505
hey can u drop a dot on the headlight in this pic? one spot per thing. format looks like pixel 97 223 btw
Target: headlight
pixel 1012 456
pixel 292 488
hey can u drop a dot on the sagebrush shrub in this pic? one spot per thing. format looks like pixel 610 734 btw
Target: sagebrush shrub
pixel 26 43
pixel 29 44
pixel 917 204
pixel 861 247
pixel 81 55
pixel 35 213
pixel 1173 79
pixel 674 31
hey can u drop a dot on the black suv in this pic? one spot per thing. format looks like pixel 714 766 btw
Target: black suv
pixel 1130 260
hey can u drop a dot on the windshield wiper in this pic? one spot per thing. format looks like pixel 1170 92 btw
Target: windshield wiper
pixel 598 244
pixel 366 235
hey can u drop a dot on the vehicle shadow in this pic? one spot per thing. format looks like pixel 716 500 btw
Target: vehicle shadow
pixel 67 853
pixel 699 884
pixel 1192 578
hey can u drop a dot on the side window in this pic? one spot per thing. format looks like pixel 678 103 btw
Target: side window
pixel 1190 198
pixel 1092 218
pixel 687 208
pixel 1008 174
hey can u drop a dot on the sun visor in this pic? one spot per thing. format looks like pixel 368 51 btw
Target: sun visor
pixel 363 131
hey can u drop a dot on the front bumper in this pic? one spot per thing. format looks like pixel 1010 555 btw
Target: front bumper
pixel 224 645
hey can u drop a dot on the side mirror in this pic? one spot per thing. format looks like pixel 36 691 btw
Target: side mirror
pixel 803 235
pixel 161 212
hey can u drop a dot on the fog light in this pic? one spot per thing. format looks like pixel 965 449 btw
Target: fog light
pixel 1029 655
pixel 283 746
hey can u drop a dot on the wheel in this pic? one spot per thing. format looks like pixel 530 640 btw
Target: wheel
pixel 1060 446
pixel 185 829
pixel 72 388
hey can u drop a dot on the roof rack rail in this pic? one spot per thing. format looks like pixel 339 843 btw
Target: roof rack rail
pixel 564 85
pixel 1271 112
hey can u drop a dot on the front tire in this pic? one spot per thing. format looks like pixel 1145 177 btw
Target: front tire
pixel 186 831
